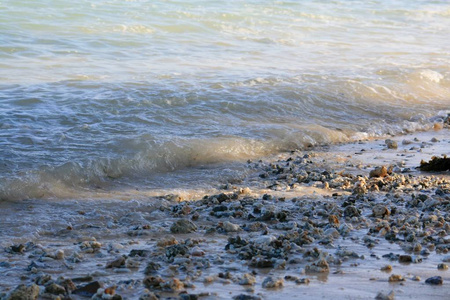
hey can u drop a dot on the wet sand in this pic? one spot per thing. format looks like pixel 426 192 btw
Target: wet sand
pixel 308 223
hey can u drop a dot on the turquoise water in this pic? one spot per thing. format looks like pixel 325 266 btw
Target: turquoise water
pixel 95 94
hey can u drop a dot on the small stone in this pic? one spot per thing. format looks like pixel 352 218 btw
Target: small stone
pixel 442 267
pixel 302 281
pixel 246 297
pixel 416 278
pixel 230 227
pixel 379 172
pixel 88 290
pixel 23 292
pixel 270 282
pixel 391 144
pixel 405 259
pixel 59 254
pixel 383 296
pixel 351 211
pixel 386 268
pixel 183 226
pixel 247 279
pixel 152 282
pixel 380 211
pixel 333 220
pixel 436 280
pixel 116 263
pixel 55 289
pixel 152 268
pixel 148 296
pixel 396 278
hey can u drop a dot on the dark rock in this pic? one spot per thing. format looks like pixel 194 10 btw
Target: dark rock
pixel 83 279
pixel 391 144
pixel 116 263
pixel 188 296
pixel 183 226
pixel 139 252
pixel 43 279
pixel 88 290
pixel 175 250
pixel 436 164
pixel 246 297
pixel 23 292
pixel 55 289
pixel 405 259
pixel 152 282
pixel 151 268
pixel 351 211
pixel 436 280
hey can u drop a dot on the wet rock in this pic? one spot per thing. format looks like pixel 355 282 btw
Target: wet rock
pixel 55 289
pixel 333 220
pixel 139 252
pixel 442 267
pixel 383 296
pixel 88 290
pixel 247 279
pixel 258 262
pixel 23 292
pixel 405 259
pixel 117 263
pixel 391 144
pixel 68 284
pixel 351 211
pixel 246 297
pixel 379 172
pixel 302 281
pixel 43 279
pixel 396 278
pixel 153 282
pixel 436 280
pixel 152 268
pixel 189 296
pixel 175 250
pixel 148 296
pixel 172 285
pixel 415 278
pixel 230 227
pixel 380 211
pixel 386 268
pixel 183 226
pixel 83 279
pixel 270 282
pixel 319 267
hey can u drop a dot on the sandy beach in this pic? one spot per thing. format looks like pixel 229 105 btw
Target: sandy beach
pixel 303 224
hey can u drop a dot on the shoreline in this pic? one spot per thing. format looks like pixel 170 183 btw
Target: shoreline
pixel 313 221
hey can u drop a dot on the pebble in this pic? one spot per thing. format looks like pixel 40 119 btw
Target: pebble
pixel 383 296
pixel 23 292
pixel 379 172
pixel 230 227
pixel 247 279
pixel 183 226
pixel 436 280
pixel 442 267
pixel 396 278
pixel 270 282
pixel 391 144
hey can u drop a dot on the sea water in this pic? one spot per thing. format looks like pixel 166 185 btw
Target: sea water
pixel 101 97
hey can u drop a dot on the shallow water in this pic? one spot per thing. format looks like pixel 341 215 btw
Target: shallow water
pixel 114 94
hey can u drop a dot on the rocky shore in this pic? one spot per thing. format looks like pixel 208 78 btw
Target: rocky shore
pixel 353 221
